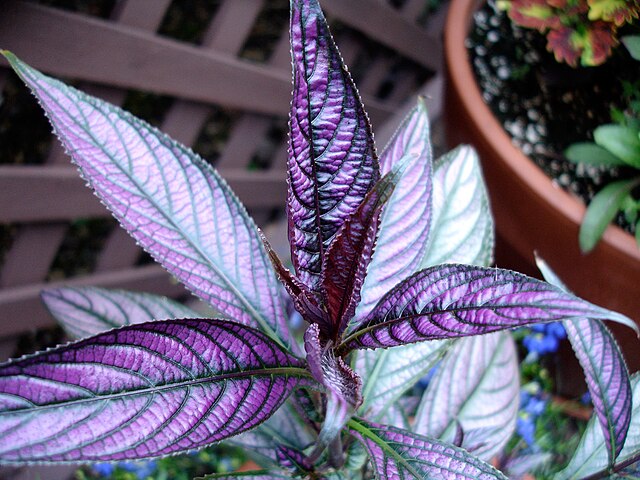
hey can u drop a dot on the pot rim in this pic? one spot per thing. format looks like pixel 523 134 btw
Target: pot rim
pixel 461 75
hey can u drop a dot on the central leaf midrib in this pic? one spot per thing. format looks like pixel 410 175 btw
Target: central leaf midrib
pixel 277 371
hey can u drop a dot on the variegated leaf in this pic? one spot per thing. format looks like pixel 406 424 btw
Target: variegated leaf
pixel 592 454
pixel 462 227
pixel 476 387
pixel 332 160
pixel 254 475
pixel 387 374
pixel 397 453
pixel 605 371
pixel 142 391
pixel 87 311
pixel 404 224
pixel 451 301
pixel 170 200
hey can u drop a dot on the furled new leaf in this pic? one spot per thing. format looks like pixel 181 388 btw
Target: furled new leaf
pixel 592 455
pixel 404 223
pixel 169 199
pixel 462 226
pixel 387 374
pixel 87 311
pixel 346 261
pixel 450 301
pixel 332 160
pixel 476 387
pixel 142 391
pixel 343 386
pixel 397 453
pixel 605 371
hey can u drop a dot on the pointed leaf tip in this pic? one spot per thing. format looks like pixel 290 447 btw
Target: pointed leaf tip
pixel 160 388
pixel 166 196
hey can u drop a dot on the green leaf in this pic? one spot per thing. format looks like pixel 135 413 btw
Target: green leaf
pixel 632 42
pixel 591 455
pixel 588 153
pixel 622 141
pixel 602 210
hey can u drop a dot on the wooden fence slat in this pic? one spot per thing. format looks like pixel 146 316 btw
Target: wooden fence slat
pixel 119 251
pixel 142 14
pixel 91 49
pixel 388 27
pixel 243 142
pixel 33 249
pixel 21 309
pixel 184 121
pixel 39 194
pixel 232 24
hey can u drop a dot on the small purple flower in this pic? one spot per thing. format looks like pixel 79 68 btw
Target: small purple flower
pixel 544 338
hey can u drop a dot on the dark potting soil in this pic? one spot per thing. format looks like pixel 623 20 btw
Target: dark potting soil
pixel 546 106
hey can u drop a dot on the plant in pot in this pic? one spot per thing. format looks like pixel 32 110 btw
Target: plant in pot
pixel 509 96
pixel 369 240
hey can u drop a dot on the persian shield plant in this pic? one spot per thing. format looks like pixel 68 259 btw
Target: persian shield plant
pixel 390 271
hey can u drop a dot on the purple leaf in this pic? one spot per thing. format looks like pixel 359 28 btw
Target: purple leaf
pixel 332 160
pixel 476 387
pixel 87 311
pixel 293 460
pixel 397 453
pixel 170 200
pixel 605 371
pixel 405 220
pixel 591 458
pixel 348 256
pixel 607 379
pixel 284 427
pixel 449 301
pixel 342 384
pixel 142 391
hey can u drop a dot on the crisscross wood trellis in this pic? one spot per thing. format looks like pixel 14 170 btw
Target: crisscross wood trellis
pixel 108 57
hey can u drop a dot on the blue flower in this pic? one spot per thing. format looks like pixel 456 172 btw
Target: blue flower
pixel 103 469
pixel 544 338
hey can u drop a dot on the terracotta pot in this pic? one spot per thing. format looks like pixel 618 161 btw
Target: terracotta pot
pixel 531 213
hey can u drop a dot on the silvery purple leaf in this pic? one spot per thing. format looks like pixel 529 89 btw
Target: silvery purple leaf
pixel 462 225
pixel 332 160
pixel 170 200
pixel 345 263
pixel 293 460
pixel 343 387
pixel 449 301
pixel 87 311
pixel 397 453
pixel 284 427
pixel 476 387
pixel 405 220
pixel 605 371
pixel 389 373
pixel 142 391
pixel 592 454
pixel 523 465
